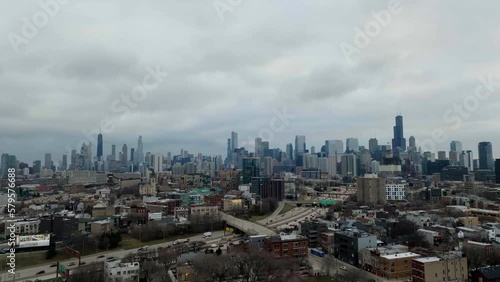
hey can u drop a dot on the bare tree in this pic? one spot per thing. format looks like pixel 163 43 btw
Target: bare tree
pixel 91 272
pixel 475 257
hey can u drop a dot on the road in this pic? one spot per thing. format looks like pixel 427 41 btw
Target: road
pixel 30 273
pixel 297 214
pixel 281 205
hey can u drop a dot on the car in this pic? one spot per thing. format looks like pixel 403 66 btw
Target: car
pixel 83 263
pixel 53 265
pixel 71 263
pixel 343 267
pixel 101 256
pixel 40 272
pixel 110 258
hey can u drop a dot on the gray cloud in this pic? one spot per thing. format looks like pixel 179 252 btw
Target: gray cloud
pixel 229 75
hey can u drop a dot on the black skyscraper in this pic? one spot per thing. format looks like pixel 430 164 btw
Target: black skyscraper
pixel 485 151
pixel 399 141
pixel 99 145
pixel 497 170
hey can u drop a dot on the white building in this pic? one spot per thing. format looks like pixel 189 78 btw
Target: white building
pixel 116 271
pixel 23 227
pixel 395 192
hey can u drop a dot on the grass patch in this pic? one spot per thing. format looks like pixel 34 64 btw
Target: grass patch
pixel 286 208
pixel 24 260
pixel 128 243
pixel 256 218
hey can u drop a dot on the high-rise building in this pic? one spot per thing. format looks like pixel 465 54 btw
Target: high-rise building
pixel 373 145
pixel 412 142
pixel 339 146
pixel 398 142
pixel 86 154
pixel 234 140
pixel 289 151
pixel 454 157
pixel 37 166
pixel 352 145
pixel 349 165
pixel 300 147
pixel 371 190
pixel 99 146
pixel 267 166
pixel 48 161
pixel 456 146
pixel 4 166
pixel 497 170
pixel 133 155
pixel 442 155
pixel 113 152
pixel 64 165
pixel 13 163
pixel 485 150
pixel 332 165
pixel 313 150
pixel 258 141
pixel 251 168
pixel 157 163
pixel 140 151
pixel 124 156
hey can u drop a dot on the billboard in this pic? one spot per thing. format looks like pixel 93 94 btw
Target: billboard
pixel 33 241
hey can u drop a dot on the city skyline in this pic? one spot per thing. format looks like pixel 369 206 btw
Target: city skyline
pixel 128 152
pixel 61 91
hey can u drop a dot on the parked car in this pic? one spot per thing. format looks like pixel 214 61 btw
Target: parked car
pixel 83 263
pixel 101 256
pixel 343 267
pixel 53 265
pixel 40 272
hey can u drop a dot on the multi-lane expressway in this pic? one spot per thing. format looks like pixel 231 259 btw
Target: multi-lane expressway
pixel 50 272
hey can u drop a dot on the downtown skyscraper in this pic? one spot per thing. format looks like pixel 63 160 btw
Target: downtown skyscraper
pixel 99 146
pixel 399 142
pixel 485 151
pixel 140 151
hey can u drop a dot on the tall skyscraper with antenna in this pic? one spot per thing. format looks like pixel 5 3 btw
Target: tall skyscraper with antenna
pixel 398 142
pixel 99 146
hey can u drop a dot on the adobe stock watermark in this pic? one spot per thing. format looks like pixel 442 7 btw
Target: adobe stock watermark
pixel 224 6
pixel 372 29
pixel 277 124
pixel 123 105
pixel 40 19
pixel 455 116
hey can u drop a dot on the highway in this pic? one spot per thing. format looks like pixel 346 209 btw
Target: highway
pixel 30 273
pixel 247 226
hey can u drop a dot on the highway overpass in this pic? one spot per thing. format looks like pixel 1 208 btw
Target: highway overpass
pixel 248 227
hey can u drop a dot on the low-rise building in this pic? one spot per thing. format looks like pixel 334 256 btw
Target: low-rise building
pixel 283 245
pixel 397 266
pixel 204 210
pixel 450 267
pixel 348 244
pixel 116 271
pixel 101 226
pixel 312 230
pixel 486 274
pixel 22 226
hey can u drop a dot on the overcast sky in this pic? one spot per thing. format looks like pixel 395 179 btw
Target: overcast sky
pixel 231 67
